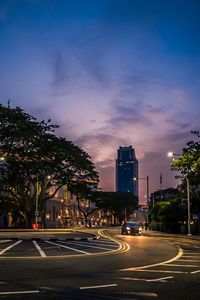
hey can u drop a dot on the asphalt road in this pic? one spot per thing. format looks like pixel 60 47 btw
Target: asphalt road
pixel 139 268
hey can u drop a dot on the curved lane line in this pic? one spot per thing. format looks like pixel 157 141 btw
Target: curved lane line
pixel 180 253
pixel 123 246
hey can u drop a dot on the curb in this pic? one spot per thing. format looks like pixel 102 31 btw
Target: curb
pixel 50 239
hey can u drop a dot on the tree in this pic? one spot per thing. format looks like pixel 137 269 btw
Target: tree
pixel 167 194
pixel 34 155
pixel 116 202
pixel 189 163
pixel 189 167
pixel 84 192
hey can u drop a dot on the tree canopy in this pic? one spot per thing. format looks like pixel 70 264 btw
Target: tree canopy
pixel 34 154
pixel 116 202
pixel 189 163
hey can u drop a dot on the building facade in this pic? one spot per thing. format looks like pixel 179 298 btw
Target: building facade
pixel 127 170
pixel 64 211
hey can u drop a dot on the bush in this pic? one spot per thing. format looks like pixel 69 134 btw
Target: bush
pixel 183 228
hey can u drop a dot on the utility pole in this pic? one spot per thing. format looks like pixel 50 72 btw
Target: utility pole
pixel 36 206
pixel 125 214
pixel 147 199
pixel 188 202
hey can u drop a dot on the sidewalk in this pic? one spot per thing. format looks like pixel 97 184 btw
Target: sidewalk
pixel 165 234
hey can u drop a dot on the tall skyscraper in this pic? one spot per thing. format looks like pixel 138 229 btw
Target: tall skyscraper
pixel 126 170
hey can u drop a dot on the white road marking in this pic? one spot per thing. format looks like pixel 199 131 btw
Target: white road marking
pixel 39 249
pixel 189 260
pixel 111 239
pixel 147 280
pixel 11 246
pixel 195 272
pixel 4 241
pixel 188 252
pixel 190 256
pixel 97 286
pixel 105 241
pixel 68 247
pixel 142 294
pixel 171 265
pixel 180 253
pixel 161 271
pixel 19 292
pixel 84 244
pixel 136 279
pixel 163 279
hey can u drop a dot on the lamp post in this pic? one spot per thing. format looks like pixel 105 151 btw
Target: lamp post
pixel 147 182
pixel 171 154
pixel 36 206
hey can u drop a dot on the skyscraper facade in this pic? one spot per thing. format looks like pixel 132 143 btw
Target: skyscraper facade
pixel 126 170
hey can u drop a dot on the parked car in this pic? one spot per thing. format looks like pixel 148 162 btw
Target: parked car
pixel 131 228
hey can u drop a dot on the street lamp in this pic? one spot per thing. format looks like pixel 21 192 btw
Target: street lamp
pixel 147 181
pixel 36 206
pixel 170 154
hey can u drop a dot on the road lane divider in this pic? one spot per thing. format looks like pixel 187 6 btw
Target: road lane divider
pixel 9 247
pixel 194 272
pixel 142 294
pixel 98 286
pixel 185 266
pixel 4 241
pixel 163 279
pixel 180 253
pixel 19 292
pixel 90 246
pixel 63 246
pixel 39 249
pixel 123 246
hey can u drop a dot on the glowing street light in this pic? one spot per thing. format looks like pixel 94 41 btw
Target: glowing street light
pixel 171 154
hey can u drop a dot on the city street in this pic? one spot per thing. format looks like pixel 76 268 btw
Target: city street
pixel 112 267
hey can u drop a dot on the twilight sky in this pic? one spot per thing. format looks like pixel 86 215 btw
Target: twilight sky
pixel 110 72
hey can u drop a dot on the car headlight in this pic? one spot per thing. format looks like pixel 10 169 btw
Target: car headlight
pixel 128 228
